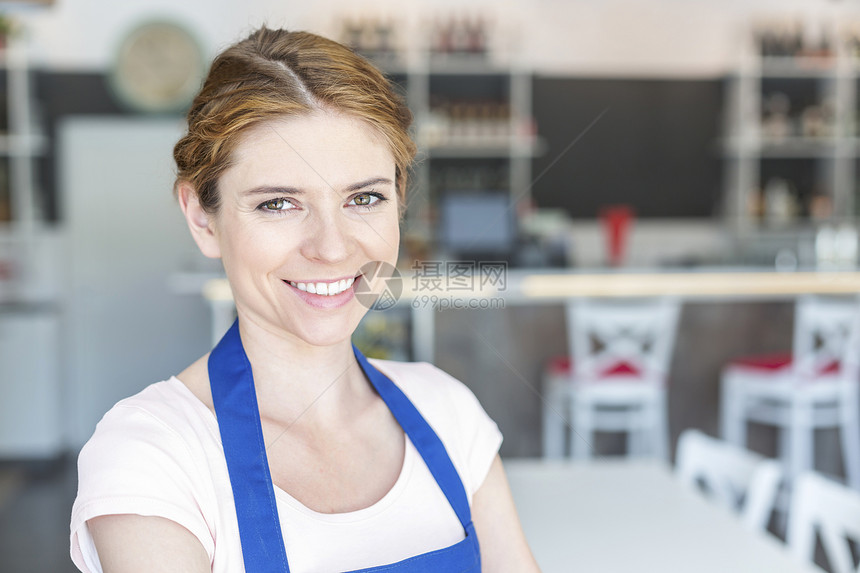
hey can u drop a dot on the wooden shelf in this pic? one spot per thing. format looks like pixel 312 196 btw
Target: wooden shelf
pixel 798 67
pixel 28 145
pixel 797 147
pixel 520 147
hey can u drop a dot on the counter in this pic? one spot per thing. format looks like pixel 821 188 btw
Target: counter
pixel 497 338
pixel 541 286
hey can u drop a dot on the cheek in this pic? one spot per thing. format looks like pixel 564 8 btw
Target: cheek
pixel 389 240
pixel 248 247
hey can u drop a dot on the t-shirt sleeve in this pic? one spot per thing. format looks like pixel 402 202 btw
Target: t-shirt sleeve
pixel 135 464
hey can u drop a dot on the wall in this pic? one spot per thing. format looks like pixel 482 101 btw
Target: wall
pixel 590 37
pixel 125 236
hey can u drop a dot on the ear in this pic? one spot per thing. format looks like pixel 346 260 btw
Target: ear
pixel 199 221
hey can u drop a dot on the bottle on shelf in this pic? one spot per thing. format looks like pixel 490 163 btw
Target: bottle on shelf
pixel 793 39
pixel 817 120
pixel 468 122
pixel 775 122
pixel 851 39
pixel 780 203
pixel 459 35
pixel 836 247
pixel 374 37
pixel 820 207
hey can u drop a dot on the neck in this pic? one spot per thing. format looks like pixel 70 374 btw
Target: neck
pixel 294 379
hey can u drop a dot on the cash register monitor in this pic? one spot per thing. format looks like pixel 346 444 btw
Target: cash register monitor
pixel 477 224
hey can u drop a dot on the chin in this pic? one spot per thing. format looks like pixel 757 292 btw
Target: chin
pixel 328 334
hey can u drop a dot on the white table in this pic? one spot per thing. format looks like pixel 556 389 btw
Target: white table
pixel 623 516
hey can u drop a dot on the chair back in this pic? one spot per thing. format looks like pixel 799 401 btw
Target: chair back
pixel 831 509
pixel 826 338
pixel 736 478
pixel 630 339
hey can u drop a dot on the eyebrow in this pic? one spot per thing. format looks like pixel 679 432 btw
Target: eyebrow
pixel 368 183
pixel 272 190
pixel 281 190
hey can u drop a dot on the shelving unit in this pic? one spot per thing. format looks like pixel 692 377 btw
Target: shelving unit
pixel 474 129
pixel 21 142
pixel 791 148
pixel 23 233
pixel 30 278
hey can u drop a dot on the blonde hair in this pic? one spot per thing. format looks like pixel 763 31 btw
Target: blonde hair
pixel 276 73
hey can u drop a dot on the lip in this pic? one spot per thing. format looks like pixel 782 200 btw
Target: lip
pixel 325 301
pixel 327 281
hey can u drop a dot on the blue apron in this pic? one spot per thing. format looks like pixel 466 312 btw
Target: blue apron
pixel 238 417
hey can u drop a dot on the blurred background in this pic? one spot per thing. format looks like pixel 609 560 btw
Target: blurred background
pixel 609 137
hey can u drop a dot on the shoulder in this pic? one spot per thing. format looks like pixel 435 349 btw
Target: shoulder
pixel 470 436
pixel 149 455
pixel 157 438
pixel 166 408
pixel 158 430
pixel 422 378
pixel 431 389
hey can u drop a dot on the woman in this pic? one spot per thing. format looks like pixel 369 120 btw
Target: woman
pixel 293 172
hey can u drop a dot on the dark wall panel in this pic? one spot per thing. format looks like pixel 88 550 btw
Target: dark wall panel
pixel 654 146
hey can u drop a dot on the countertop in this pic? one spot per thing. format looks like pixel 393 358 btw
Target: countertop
pixel 547 286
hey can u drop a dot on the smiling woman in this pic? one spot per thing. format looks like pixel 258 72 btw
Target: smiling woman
pixel 285 449
pixel 317 192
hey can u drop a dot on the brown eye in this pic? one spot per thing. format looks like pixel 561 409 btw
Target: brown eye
pixel 363 199
pixel 276 205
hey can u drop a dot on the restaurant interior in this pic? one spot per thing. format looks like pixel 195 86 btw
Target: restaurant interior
pixel 631 231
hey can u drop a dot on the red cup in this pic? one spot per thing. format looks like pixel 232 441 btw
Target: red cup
pixel 616 221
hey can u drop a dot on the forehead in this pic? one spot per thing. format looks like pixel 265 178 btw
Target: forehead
pixel 322 148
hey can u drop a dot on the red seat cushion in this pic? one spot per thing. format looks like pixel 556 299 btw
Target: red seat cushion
pixel 777 361
pixel 563 365
pixel 774 361
pixel 559 365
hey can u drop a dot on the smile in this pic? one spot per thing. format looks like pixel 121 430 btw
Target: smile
pixel 324 289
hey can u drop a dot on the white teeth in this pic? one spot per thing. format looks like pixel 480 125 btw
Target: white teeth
pixel 325 289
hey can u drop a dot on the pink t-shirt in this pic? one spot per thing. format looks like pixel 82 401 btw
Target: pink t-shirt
pixel 159 453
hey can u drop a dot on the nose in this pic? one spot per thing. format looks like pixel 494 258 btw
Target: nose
pixel 329 238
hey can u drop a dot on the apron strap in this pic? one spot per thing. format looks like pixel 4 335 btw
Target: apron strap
pixel 238 418
pixel 426 441
pixel 238 415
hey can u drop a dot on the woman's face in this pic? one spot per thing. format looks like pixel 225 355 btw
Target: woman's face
pixel 307 202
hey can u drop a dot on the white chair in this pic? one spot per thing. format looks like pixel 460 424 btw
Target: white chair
pixel 615 380
pixel 832 510
pixel 738 479
pixel 815 387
